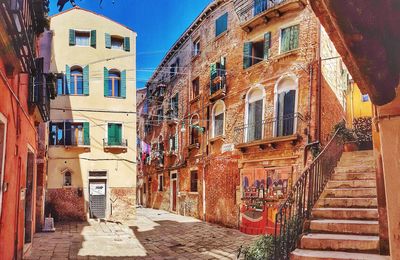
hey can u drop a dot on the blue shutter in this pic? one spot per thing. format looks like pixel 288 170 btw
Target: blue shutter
pixel 127 44
pixel 86 80
pixel 68 76
pixel 247 54
pixel 106 82
pixel 123 83
pixel 108 40
pixel 72 40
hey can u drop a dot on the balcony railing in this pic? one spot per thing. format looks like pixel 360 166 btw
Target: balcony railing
pixel 115 142
pixel 270 129
pixel 78 143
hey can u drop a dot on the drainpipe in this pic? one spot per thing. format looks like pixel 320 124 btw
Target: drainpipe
pixel 319 87
pixel 204 191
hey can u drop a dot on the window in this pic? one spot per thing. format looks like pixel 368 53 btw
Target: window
pixel 365 98
pixel 290 38
pixel 3 140
pixel 76 81
pixel 254 113
pixel 61 89
pixel 173 143
pixel 173 71
pixel 67 179
pixel 82 38
pixel 114 83
pixel 175 105
pixel 160 182
pixel 194 129
pixel 69 133
pixel 196 47
pixel 221 24
pixel 256 51
pixel 114 134
pixel 217 75
pixel 117 43
pixel 260 6
pixel 195 88
pixel 193 181
pixel 160 115
pixel 218 119
pixel 285 110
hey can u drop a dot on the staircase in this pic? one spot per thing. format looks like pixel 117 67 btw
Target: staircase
pixel 344 223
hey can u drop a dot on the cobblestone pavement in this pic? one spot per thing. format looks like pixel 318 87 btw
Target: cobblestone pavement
pixel 154 234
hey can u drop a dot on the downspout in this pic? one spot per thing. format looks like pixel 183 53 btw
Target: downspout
pixel 204 191
pixel 319 87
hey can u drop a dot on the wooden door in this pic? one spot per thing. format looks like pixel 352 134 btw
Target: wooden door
pixel 174 191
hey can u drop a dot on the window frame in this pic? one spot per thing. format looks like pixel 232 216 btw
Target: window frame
pixel 213 133
pixel 194 181
pixel 193 141
pixel 196 47
pixel 64 179
pixel 217 35
pixel 114 38
pixel 75 78
pixel 112 79
pixel 247 108
pixel 198 88
pixel 122 132
pixel 286 26
pixel 56 143
pixel 160 182
pixel 82 32
pixel 3 121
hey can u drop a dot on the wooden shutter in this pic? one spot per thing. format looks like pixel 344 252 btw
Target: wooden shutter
pixel 221 24
pixel 106 94
pixel 86 133
pixel 294 37
pixel 86 80
pixel 279 114
pixel 127 44
pixel 251 121
pixel 111 134
pixel 67 133
pixel 93 38
pixel 285 40
pixel 267 45
pixel 176 142
pixel 247 54
pixel 72 40
pixel 288 112
pixel 123 83
pixel 68 79
pixel 108 40
pixel 118 133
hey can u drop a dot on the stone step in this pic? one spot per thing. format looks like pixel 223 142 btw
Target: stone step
pixel 304 254
pixel 360 168
pixel 353 176
pixel 344 213
pixel 347 202
pixel 340 242
pixel 343 226
pixel 351 184
pixel 357 163
pixel 358 153
pixel 350 193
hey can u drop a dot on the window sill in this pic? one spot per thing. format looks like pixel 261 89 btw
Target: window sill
pixel 115 97
pixel 195 57
pixel 75 95
pixel 287 54
pixel 257 64
pixel 194 146
pixel 195 99
pixel 193 193
pixel 214 139
pixel 221 35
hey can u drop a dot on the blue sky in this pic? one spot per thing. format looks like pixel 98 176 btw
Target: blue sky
pixel 158 24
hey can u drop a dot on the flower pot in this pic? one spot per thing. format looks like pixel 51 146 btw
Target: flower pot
pixel 350 147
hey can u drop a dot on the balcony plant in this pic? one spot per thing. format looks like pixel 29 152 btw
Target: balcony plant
pixel 346 136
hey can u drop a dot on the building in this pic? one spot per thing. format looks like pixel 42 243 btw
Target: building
pixel 26 88
pixel 140 185
pixel 235 111
pixel 92 140
pixel 366 46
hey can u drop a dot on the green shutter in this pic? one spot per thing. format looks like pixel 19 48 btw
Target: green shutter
pixel 86 133
pixel 127 44
pixel 123 83
pixel 222 63
pixel 118 133
pixel 285 40
pixel 68 76
pixel 221 24
pixel 72 37
pixel 247 54
pixel 111 134
pixel 108 40
pixel 267 45
pixel 294 37
pixel 93 38
pixel 106 82
pixel 86 80
pixel 213 71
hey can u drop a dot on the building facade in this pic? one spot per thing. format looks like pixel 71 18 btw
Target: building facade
pixel 92 133
pixel 235 110
pixel 26 87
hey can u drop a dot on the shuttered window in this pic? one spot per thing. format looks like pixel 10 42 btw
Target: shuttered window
pixel 114 134
pixel 86 133
pixel 86 80
pixel 290 38
pixel 127 44
pixel 93 36
pixel 114 83
pixel 247 54
pixel 256 51
pixel 260 6
pixel 71 37
pixel 221 24
pixel 108 40
pixel 193 181
pixel 254 129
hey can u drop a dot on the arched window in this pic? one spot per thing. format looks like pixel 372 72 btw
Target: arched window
pixel 285 106
pixel 218 119
pixel 254 114
pixel 76 87
pixel 194 129
pixel 114 83
pixel 67 179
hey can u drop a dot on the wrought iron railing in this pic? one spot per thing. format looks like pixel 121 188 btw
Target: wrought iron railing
pixel 269 128
pixel 247 10
pixel 219 82
pixel 115 142
pixel 293 212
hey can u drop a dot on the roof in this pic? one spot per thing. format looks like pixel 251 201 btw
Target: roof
pixel 86 10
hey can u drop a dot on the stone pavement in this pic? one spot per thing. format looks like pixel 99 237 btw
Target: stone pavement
pixel 154 234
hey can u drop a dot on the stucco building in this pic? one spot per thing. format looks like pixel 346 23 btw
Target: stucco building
pixel 232 111
pixel 92 133
pixel 26 87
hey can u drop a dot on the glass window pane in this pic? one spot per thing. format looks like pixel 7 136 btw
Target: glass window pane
pixel 60 86
pixel 116 88
pixel 79 85
pixel 72 87
pixel 110 81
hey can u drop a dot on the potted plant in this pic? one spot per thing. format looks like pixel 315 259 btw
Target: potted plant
pixel 346 136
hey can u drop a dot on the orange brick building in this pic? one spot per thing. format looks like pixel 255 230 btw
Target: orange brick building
pixel 233 110
pixel 25 89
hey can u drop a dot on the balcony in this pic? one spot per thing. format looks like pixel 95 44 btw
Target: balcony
pixel 218 85
pixel 78 144
pixel 270 132
pixel 255 12
pixel 115 144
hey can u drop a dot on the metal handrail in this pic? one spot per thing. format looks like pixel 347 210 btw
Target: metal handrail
pixel 293 212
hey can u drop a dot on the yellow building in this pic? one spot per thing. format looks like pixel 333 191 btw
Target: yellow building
pixel 92 171
pixel 358 105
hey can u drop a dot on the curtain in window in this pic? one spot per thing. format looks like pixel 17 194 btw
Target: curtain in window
pixel 254 129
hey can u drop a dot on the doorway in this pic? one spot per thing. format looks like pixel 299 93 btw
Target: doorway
pixel 30 166
pixel 97 198
pixel 174 191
